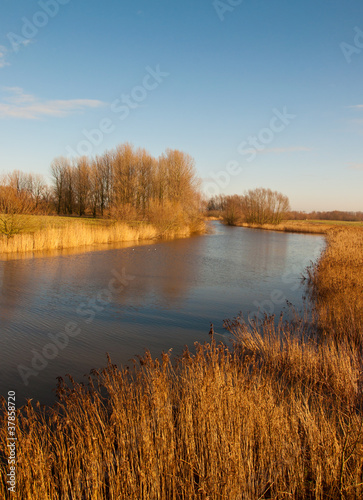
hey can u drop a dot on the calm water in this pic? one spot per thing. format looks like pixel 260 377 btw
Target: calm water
pixel 61 314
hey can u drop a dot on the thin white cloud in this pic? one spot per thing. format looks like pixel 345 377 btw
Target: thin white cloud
pixel 3 53
pixel 17 96
pixel 291 149
pixel 26 106
pixel 356 106
pixel 355 166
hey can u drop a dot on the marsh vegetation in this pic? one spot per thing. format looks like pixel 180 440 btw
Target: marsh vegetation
pixel 277 415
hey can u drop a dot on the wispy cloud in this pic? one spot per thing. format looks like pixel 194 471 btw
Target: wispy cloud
pixel 356 106
pixel 17 95
pixel 17 104
pixel 355 166
pixel 3 53
pixel 291 149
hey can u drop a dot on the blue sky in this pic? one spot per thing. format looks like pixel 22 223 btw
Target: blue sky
pixel 260 93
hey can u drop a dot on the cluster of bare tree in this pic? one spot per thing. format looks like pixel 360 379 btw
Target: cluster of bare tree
pixel 263 206
pixel 123 182
pixel 257 206
pixel 27 186
pixel 217 203
pixel 21 194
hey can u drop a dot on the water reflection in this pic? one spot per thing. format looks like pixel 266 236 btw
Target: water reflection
pixel 178 288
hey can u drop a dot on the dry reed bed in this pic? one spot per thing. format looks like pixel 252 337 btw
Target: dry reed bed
pixel 337 286
pixel 293 227
pixel 78 234
pixel 277 416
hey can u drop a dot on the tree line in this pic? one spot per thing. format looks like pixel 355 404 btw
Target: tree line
pixel 118 181
pixel 123 182
pixel 262 206
pixel 330 215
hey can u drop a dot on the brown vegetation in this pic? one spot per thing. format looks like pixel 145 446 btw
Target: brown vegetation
pixel 124 186
pixel 124 181
pixel 75 234
pixel 234 211
pixel 302 226
pixel 14 208
pixel 279 415
pixel 292 226
pixel 337 285
pixel 333 215
pixel 47 233
pixel 256 206
pixel 20 195
pixel 263 206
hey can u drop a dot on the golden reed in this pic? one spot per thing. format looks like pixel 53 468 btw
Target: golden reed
pixel 78 234
pixel 277 416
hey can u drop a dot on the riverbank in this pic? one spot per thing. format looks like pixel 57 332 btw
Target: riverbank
pixel 299 226
pixel 337 287
pixel 278 415
pixel 45 233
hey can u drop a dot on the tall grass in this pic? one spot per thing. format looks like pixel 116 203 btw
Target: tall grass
pixel 293 227
pixel 337 286
pixel 74 233
pixel 301 226
pixel 278 415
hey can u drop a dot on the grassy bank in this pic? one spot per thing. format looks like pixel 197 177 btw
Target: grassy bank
pixel 57 233
pixel 278 415
pixel 299 226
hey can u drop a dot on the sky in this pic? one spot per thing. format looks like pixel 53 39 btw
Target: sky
pixel 260 93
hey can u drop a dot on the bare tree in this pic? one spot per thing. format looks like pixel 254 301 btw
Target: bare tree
pixel 58 170
pixel 15 206
pixel 37 186
pixel 263 206
pixel 126 183
pixel 82 184
pixel 233 213
pixel 181 175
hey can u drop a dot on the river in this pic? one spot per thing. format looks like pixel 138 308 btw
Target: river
pixel 60 314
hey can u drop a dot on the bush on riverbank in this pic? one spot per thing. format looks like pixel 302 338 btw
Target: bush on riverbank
pixel 278 416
